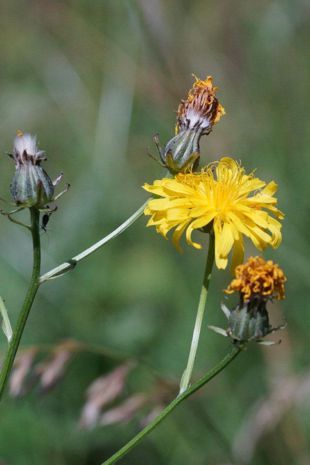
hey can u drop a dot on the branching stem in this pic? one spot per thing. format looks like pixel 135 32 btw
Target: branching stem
pixel 71 263
pixel 36 281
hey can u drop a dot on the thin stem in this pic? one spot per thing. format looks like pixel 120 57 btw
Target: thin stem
pixel 201 382
pixel 30 295
pixel 186 377
pixel 71 263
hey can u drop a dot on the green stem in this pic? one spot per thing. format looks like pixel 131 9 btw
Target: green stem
pixel 70 264
pixel 186 377
pixel 30 295
pixel 201 382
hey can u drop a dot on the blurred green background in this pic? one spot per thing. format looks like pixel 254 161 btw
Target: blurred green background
pixel 95 81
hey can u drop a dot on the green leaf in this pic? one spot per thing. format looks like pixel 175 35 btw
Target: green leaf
pixel 6 325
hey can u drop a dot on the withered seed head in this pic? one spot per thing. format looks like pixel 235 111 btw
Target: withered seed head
pixel 195 117
pixel 31 185
pixel 201 110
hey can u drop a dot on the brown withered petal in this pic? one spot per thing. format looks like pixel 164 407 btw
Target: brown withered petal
pixel 101 392
pixel 21 369
pixel 201 110
pixel 125 411
pixel 258 277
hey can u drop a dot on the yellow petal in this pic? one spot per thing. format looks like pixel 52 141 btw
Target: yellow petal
pixel 177 235
pixel 224 240
pixel 238 253
pixel 196 224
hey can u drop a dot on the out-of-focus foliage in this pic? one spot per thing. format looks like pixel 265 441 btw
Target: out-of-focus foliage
pixel 95 81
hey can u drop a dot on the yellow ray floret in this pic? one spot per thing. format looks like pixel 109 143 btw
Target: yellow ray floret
pixel 220 196
pixel 258 278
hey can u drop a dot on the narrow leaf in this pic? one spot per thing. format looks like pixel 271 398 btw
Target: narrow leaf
pixel 225 310
pixel 268 343
pixel 6 325
pixel 218 330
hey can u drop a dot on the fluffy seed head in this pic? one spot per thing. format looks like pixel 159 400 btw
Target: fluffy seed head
pixel 25 149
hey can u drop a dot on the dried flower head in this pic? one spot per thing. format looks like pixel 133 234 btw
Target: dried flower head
pixel 201 110
pixel 31 185
pixel 220 198
pixel 195 117
pixel 258 278
pixel 26 150
pixel 257 281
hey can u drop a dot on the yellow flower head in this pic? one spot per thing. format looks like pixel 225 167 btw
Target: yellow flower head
pixel 201 110
pixel 221 197
pixel 258 278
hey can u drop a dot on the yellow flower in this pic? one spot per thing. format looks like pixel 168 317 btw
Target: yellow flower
pixel 221 197
pixel 258 278
pixel 201 110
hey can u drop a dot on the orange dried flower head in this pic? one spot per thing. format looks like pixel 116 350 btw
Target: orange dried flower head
pixel 258 278
pixel 195 117
pixel 201 110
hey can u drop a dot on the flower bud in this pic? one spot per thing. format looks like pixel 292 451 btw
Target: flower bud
pixel 31 185
pixel 182 152
pixel 248 323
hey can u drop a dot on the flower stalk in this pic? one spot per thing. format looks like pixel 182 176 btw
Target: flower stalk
pixel 30 295
pixel 170 407
pixel 186 378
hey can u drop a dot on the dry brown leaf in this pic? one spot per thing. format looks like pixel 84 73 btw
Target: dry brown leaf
pixel 52 369
pixel 101 392
pixel 21 369
pixel 125 411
